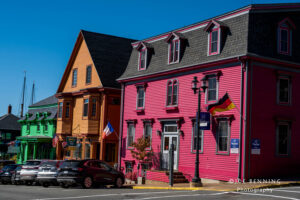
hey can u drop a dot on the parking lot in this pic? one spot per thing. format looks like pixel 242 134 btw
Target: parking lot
pixel 23 192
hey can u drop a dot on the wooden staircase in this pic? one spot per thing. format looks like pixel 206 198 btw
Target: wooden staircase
pixel 178 177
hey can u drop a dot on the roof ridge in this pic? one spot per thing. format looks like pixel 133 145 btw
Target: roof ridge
pixel 107 35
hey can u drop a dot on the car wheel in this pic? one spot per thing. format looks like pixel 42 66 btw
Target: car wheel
pixel 28 183
pixel 64 185
pixel 4 182
pixel 87 182
pixel 119 182
pixel 45 184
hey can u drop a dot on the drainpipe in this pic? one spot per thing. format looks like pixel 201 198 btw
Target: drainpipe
pixel 241 117
pixel 245 122
pixel 121 125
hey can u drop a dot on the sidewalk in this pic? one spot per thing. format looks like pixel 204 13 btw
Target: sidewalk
pixel 223 186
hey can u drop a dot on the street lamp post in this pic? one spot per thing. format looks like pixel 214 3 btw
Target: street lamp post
pixel 196 181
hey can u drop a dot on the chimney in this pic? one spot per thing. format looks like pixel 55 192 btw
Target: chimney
pixel 9 109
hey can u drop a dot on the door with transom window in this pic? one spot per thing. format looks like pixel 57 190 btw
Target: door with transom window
pixel 170 136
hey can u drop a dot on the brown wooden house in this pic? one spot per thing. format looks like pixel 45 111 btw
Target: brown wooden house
pixel 89 97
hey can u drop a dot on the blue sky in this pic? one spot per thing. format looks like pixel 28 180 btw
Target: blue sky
pixel 38 36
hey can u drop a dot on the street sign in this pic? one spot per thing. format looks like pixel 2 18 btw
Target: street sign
pixel 234 145
pixel 255 146
pixel 71 141
pixel 204 123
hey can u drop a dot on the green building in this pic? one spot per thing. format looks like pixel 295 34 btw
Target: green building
pixel 38 128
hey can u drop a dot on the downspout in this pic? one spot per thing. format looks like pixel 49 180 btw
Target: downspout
pixel 121 126
pixel 241 118
pixel 245 121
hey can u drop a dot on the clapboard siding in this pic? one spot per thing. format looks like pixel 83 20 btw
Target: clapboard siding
pixel 222 167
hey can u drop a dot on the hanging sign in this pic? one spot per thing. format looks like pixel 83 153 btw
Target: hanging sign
pixel 71 141
pixel 204 123
pixel 255 146
pixel 234 145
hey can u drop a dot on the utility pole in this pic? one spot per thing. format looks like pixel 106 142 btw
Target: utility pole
pixel 32 94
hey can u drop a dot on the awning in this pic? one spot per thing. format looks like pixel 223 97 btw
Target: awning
pixel 35 138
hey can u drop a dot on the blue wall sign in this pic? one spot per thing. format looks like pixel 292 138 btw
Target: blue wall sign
pixel 255 146
pixel 204 121
pixel 234 145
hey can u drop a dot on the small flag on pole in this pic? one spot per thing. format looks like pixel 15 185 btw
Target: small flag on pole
pixel 108 130
pixel 224 104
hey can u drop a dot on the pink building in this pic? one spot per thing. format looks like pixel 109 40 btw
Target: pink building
pixel 251 53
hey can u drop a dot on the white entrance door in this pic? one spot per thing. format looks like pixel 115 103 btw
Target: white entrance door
pixel 167 141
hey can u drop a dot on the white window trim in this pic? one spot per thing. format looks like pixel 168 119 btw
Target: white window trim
pixel 128 124
pixel 169 50
pixel 137 98
pixel 289 90
pixel 290 39
pixel 289 144
pixel 146 58
pixel 217 91
pixel 229 136
pixel 172 83
pixel 192 141
pixel 144 133
pixel 219 41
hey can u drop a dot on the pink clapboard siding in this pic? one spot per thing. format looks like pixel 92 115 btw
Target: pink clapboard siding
pixel 263 124
pixel 212 165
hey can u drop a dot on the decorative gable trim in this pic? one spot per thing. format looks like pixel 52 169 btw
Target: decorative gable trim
pixel 173 35
pixel 213 23
pixel 144 50
pixel 288 21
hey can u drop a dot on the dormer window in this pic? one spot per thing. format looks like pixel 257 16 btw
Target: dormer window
pixel 143 49
pixel 174 51
pixel 142 64
pixel 214 30
pixel 285 36
pixel 174 41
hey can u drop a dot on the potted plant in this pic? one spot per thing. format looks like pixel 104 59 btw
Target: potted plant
pixel 143 153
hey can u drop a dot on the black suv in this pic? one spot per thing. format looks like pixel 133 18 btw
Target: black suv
pixel 87 173
pixel 7 172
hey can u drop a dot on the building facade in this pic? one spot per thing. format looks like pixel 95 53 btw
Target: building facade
pixel 9 130
pixel 38 128
pixel 252 55
pixel 89 97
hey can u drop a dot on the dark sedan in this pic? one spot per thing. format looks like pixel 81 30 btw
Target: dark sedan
pixel 87 173
pixel 7 172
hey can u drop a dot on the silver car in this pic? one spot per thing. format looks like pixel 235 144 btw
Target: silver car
pixel 29 171
pixel 47 172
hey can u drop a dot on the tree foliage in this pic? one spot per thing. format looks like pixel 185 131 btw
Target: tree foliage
pixel 142 150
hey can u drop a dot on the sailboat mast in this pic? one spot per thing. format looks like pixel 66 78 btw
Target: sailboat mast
pixel 23 94
pixel 32 94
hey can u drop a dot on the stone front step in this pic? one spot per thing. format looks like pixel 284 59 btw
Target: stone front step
pixel 163 176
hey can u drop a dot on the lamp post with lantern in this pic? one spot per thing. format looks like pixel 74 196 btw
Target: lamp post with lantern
pixel 196 181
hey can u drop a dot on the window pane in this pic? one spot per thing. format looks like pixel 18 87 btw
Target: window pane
pixel 174 142
pixel 85 107
pixel 171 52
pixel 176 51
pixel 60 106
pixel 88 74
pixel 74 78
pixel 169 100
pixel 166 143
pixel 67 110
pixel 130 134
pixel 175 91
pixel 223 135
pixel 141 95
pixel 171 128
pixel 212 89
pixel 214 36
pixel 283 139
pixel 143 59
pixel 284 90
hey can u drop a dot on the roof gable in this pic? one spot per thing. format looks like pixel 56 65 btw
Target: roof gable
pixel 9 122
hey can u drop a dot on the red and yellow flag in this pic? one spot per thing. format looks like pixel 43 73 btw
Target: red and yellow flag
pixel 224 104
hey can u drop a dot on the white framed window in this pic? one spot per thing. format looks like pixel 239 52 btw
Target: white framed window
pixel 214 41
pixel 194 139
pixel 148 131
pixel 283 138
pixel 140 100
pixel 174 50
pixel 142 59
pixel 223 136
pixel 284 90
pixel 130 134
pixel 172 93
pixel 211 93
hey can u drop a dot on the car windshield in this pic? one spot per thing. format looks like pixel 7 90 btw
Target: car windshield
pixel 70 164
pixel 9 167
pixel 49 163
pixel 32 162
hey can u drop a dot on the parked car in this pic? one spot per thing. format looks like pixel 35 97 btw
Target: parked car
pixel 29 171
pixel 7 172
pixel 15 177
pixel 88 173
pixel 47 173
pixel 3 163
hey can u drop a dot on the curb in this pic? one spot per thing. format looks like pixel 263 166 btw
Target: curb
pixel 213 189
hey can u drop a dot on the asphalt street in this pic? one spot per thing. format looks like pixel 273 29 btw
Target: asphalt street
pixel 23 192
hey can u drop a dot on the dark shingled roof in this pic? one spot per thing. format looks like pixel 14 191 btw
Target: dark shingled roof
pixel 48 101
pixel 9 122
pixel 34 108
pixel 110 55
